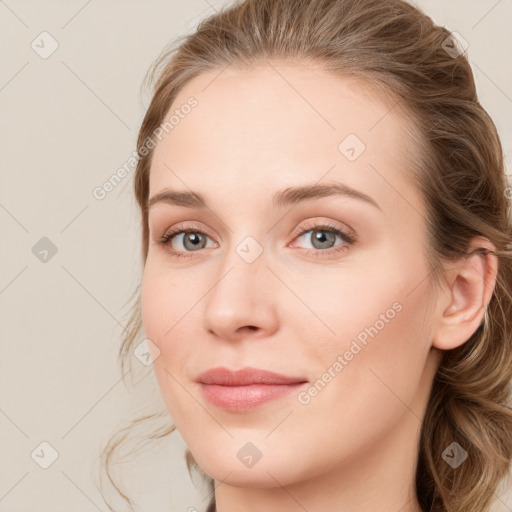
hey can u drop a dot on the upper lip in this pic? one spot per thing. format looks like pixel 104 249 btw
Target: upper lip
pixel 245 377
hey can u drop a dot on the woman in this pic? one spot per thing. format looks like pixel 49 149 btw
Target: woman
pixel 327 277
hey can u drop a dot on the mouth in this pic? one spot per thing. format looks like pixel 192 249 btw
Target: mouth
pixel 246 389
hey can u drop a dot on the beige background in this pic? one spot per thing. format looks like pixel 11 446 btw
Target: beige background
pixel 68 122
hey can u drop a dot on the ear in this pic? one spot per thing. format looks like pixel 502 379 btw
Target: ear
pixel 472 281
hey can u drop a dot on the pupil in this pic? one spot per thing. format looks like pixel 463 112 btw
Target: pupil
pixel 193 240
pixel 194 236
pixel 323 238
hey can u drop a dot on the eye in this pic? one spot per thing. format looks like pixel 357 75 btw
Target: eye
pixel 182 241
pixel 323 237
pixel 190 238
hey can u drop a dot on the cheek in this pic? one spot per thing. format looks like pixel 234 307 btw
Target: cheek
pixel 362 390
pixel 365 326
pixel 168 297
pixel 171 302
pixel 154 306
pixel 340 305
pixel 165 313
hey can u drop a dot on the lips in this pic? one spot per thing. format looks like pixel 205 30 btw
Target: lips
pixel 245 377
pixel 246 389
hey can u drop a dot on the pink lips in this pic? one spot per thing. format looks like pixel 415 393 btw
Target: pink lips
pixel 245 389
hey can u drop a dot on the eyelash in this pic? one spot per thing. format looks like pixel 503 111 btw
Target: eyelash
pixel 348 239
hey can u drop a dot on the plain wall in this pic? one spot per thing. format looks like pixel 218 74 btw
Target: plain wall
pixel 68 122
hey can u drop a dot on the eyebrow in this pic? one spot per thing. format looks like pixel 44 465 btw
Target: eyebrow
pixel 282 198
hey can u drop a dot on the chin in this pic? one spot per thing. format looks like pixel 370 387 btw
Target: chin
pixel 232 471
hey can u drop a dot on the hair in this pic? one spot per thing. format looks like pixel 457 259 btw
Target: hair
pixel 402 53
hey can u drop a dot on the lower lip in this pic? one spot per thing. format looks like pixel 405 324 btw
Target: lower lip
pixel 246 398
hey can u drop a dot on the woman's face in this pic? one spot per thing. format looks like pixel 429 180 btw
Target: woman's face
pixel 265 281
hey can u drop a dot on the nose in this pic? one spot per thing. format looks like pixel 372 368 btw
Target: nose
pixel 242 300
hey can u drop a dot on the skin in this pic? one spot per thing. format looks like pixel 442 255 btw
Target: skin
pixel 353 446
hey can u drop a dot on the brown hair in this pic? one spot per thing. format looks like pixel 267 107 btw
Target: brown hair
pixel 460 174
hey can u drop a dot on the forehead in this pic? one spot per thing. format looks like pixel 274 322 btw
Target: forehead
pixel 283 123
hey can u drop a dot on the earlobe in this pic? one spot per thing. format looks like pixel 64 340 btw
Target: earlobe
pixel 472 286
